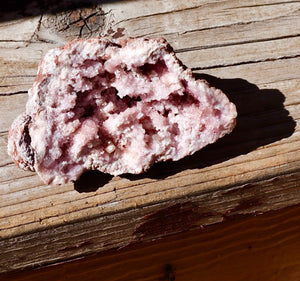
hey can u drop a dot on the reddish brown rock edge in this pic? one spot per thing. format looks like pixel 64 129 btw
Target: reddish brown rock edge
pixel 117 107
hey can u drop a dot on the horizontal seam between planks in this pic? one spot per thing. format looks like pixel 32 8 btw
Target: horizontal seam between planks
pixel 18 76
pixel 227 25
pixel 245 62
pixel 13 93
pixel 277 81
pixel 235 43
pixel 264 158
pixel 219 26
pixel 14 85
pixel 271 82
pixel 267 4
pixel 13 41
pixel 158 14
pixel 197 7
pixel 291 105
pixel 7 164
pixel 263 113
pixel 18 178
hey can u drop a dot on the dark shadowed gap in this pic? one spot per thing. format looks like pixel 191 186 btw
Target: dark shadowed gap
pixel 90 181
pixel 17 9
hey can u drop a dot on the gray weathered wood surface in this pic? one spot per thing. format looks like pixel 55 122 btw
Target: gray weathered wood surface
pixel 250 49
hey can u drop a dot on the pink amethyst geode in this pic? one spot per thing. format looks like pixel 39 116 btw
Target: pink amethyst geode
pixel 117 107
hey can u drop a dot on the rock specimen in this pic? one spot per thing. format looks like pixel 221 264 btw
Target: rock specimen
pixel 117 107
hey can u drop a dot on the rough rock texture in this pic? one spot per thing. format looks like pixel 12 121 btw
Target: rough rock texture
pixel 116 107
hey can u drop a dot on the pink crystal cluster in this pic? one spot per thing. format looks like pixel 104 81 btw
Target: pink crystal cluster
pixel 117 107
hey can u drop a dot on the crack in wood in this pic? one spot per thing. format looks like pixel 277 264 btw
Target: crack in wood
pixel 14 85
pixel 13 93
pixel 81 18
pixel 236 24
pixel 211 27
pixel 17 76
pixel 17 178
pixel 34 35
pixel 235 43
pixel 245 62
pixel 12 41
pixel 245 23
pixel 55 215
pixel 159 14
pixel 6 164
pixel 78 23
pixel 267 4
pixel 249 157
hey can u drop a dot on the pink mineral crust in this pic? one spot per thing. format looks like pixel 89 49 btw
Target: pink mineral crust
pixel 117 107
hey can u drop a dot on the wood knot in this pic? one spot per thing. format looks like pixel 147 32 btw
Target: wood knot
pixel 79 23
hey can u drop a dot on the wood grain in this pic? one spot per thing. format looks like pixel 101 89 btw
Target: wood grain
pixel 249 50
pixel 266 248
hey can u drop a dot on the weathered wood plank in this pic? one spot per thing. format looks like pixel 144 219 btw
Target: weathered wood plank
pixel 208 16
pixel 282 71
pixel 251 51
pixel 117 230
pixel 244 53
pixel 236 34
pixel 257 248
pixel 18 31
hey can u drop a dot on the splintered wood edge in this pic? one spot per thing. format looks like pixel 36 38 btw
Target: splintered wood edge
pixel 145 223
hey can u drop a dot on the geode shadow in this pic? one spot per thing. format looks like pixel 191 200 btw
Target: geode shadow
pixel 91 180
